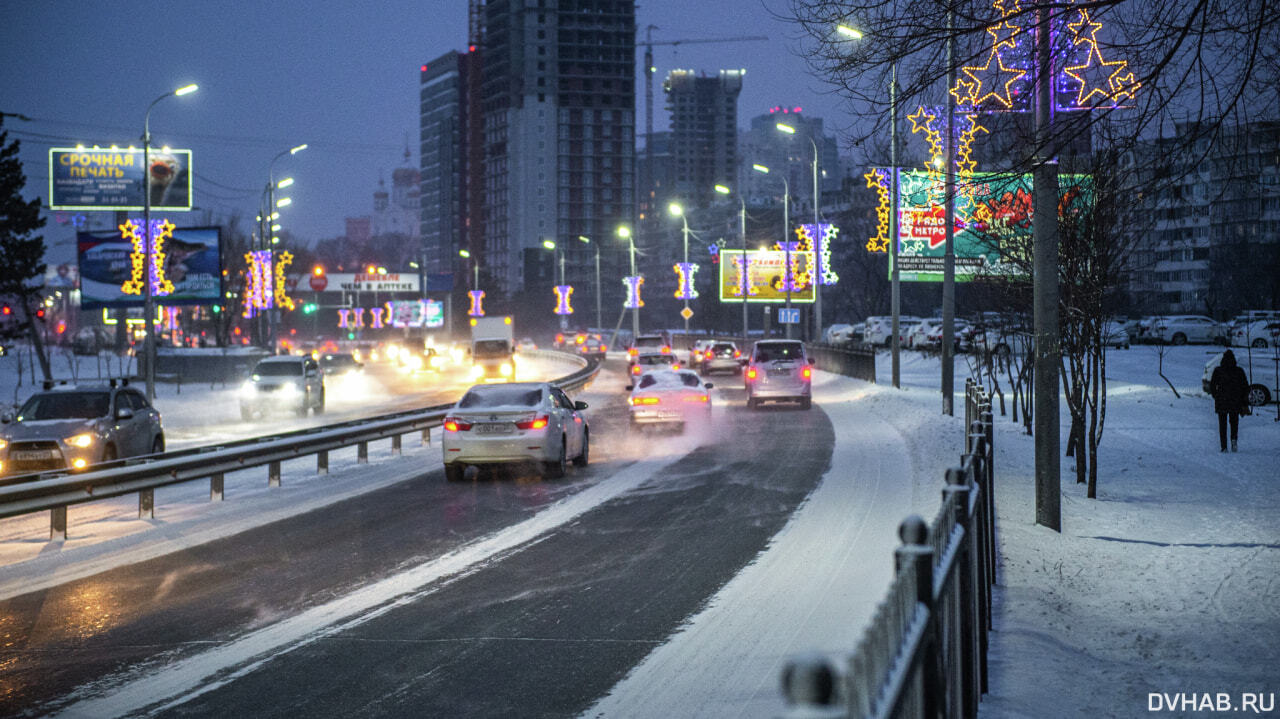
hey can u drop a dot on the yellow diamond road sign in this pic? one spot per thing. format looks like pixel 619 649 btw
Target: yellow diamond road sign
pixel 686 313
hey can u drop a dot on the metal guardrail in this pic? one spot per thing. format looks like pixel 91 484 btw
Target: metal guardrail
pixel 25 494
pixel 925 652
pixel 857 361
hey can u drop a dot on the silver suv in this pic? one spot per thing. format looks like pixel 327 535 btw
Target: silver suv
pixel 779 370
pixel 283 382
pixel 75 426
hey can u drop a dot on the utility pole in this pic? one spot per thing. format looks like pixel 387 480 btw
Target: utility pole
pixel 895 303
pixel 949 254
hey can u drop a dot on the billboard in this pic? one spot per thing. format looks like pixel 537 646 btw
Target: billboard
pixel 764 276
pixel 191 261
pixel 989 206
pixel 360 282
pixel 112 179
pixel 415 313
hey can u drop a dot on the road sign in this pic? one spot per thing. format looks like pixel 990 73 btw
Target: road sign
pixel 319 282
pixel 686 313
pixel 789 315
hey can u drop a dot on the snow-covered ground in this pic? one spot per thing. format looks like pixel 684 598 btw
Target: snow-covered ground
pixel 1168 582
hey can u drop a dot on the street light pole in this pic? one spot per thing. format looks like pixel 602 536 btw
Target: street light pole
pixel 818 239
pixel 267 233
pixel 677 210
pixel 742 224
pixel 895 297
pixel 599 312
pixel 625 233
pixel 148 298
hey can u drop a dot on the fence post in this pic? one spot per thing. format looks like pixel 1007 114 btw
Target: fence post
pixel 146 504
pixel 215 488
pixel 362 453
pixel 395 445
pixel 273 474
pixel 917 552
pixel 958 491
pixel 58 523
pixel 809 683
pixel 426 436
pixel 322 462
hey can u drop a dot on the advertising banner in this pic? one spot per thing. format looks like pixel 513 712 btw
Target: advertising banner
pixel 765 276
pixel 990 207
pixel 190 259
pixel 113 179
pixel 416 313
pixel 390 282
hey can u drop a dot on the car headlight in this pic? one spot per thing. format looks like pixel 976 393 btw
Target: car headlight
pixel 288 389
pixel 80 440
pixel 248 389
pixel 477 371
pixel 3 443
pixel 506 369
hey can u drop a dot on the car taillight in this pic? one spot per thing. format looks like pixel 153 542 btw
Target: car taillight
pixel 633 352
pixel 635 369
pixel 666 350
pixel 453 424
pixel 807 373
pixel 643 400
pixel 675 365
pixel 695 398
pixel 737 354
pixel 751 373
pixel 538 422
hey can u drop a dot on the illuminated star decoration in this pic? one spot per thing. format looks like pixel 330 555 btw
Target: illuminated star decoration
pixel 259 278
pixel 477 303
pixel 878 180
pixel 742 263
pixel 282 299
pixel 966 129
pixel 562 299
pixel 819 242
pixel 633 284
pixel 714 249
pixel 685 272
pixel 161 230
pixel 994 84
pixel 1110 81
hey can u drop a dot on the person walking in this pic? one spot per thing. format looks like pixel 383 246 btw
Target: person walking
pixel 1230 390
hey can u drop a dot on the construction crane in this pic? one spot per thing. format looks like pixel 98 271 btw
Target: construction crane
pixel 649 44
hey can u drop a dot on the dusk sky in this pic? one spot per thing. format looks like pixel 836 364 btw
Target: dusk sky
pixel 340 76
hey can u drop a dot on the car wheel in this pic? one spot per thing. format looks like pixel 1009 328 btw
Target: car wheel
pixel 585 456
pixel 454 472
pixel 1259 344
pixel 1258 395
pixel 806 403
pixel 246 414
pixel 556 468
pixel 319 408
pixel 1179 338
pixel 157 446
pixel 752 403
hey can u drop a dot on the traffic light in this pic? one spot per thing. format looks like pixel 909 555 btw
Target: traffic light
pixel 309 307
pixel 318 270
pixel 7 311
pixel 216 309
pixel 40 313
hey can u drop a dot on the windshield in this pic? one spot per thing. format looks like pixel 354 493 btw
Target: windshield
pixel 278 369
pixel 501 396
pixel 778 351
pixel 655 359
pixel 669 380
pixel 649 341
pixel 491 348
pixel 723 349
pixel 66 405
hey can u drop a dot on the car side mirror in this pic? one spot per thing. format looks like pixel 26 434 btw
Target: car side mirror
pixel 124 413
pixel 6 418
pixel 629 387
pixel 579 405
pixel 709 386
pixel 812 361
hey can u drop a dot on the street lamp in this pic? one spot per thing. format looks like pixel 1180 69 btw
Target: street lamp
pixel 599 314
pixel 676 210
pixel 742 219
pixel 625 233
pixel 148 299
pixel 551 245
pixel 786 244
pixel 818 236
pixel 475 268
pixel 268 228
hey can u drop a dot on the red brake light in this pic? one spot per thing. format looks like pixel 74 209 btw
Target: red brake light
pixel 695 398
pixel 751 373
pixel 538 422
pixel 675 366
pixel 807 373
pixel 737 354
pixel 453 424
pixel 666 350
pixel 633 352
pixel 643 400
pixel 635 369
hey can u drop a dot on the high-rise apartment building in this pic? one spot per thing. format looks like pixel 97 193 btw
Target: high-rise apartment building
pixel 558 98
pixel 704 133
pixel 789 154
pixel 443 161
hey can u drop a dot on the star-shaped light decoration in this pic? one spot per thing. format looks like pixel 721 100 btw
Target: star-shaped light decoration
pixel 161 230
pixel 1109 81
pixel 878 180
pixel 993 81
pixel 282 261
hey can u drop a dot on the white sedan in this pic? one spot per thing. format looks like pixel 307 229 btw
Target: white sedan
pixel 517 423
pixel 671 397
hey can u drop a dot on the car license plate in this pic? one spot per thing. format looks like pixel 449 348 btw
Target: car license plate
pixel 31 455
pixel 495 428
pixel 779 372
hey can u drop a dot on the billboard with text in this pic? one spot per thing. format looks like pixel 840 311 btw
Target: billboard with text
pixel 765 276
pixel 190 259
pixel 113 179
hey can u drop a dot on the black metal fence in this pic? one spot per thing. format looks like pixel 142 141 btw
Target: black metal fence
pixel 925 653
pixel 854 361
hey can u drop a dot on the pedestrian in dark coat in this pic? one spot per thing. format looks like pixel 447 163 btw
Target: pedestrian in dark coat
pixel 1230 390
